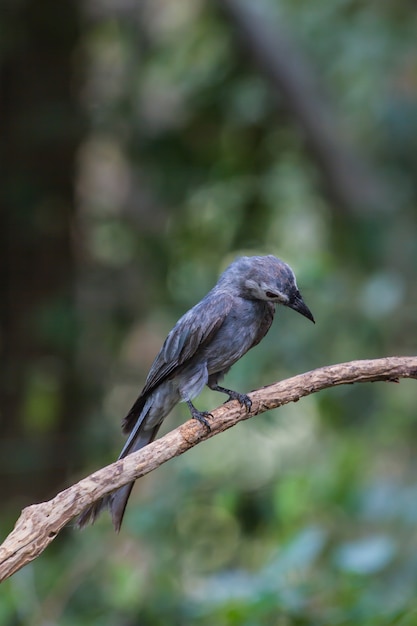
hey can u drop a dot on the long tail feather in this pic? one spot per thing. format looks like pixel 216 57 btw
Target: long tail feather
pixel 117 500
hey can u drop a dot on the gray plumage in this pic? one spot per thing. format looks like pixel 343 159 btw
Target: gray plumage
pixel 203 345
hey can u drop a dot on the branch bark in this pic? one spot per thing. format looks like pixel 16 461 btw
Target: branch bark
pixel 40 523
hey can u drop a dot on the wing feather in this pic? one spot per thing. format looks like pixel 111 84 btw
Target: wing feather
pixel 192 331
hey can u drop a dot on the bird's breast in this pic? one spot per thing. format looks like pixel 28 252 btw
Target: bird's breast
pixel 243 327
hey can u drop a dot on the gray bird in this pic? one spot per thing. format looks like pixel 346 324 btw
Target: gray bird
pixel 201 348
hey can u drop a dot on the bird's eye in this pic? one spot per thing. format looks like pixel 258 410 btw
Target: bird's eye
pixel 271 294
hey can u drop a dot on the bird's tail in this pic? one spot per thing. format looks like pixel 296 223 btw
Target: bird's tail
pixel 117 501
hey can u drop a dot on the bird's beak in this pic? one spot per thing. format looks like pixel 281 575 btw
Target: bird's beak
pixel 298 304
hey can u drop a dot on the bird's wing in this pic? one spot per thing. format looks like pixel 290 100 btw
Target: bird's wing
pixel 191 332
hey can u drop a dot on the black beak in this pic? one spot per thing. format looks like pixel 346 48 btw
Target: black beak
pixel 298 304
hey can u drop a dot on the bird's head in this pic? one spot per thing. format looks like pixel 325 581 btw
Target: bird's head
pixel 267 278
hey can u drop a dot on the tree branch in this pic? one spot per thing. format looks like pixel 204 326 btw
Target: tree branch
pixel 40 523
pixel 351 182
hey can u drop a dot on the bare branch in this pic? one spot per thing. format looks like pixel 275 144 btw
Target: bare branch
pixel 40 523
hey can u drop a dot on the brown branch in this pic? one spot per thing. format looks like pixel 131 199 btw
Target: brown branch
pixel 40 523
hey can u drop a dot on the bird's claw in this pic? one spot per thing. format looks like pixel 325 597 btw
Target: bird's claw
pixel 242 398
pixel 201 416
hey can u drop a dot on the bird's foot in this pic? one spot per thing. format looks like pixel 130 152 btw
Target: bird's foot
pixel 242 398
pixel 201 416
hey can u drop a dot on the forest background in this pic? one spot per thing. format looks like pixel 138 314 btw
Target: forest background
pixel 143 146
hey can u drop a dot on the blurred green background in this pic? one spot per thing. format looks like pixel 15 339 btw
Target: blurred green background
pixel 144 144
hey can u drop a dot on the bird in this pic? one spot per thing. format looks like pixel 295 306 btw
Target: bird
pixel 201 348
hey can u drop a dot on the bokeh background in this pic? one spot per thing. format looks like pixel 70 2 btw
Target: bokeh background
pixel 144 144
